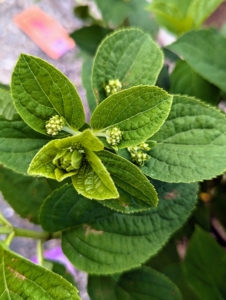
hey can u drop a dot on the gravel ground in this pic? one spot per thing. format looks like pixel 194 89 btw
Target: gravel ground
pixel 13 42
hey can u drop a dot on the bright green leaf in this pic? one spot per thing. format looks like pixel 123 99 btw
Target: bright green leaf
pixel 7 109
pixel 138 112
pixel 32 193
pixel 197 49
pixel 118 242
pixel 185 81
pixel 4 86
pixel 128 55
pixel 190 145
pixel 40 91
pixel 205 266
pixel 127 176
pixel 65 208
pixel 21 279
pixel 139 284
pixel 18 144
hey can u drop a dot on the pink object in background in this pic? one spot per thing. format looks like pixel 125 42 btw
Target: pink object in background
pixel 46 32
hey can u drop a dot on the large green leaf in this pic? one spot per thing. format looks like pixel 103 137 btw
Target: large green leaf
pixel 40 91
pixel 61 270
pixel 118 242
pixel 139 284
pixel 18 144
pixel 139 112
pixel 88 38
pixel 197 49
pixel 21 279
pixel 86 82
pixel 115 11
pixel 25 194
pixel 128 55
pixel 205 266
pixel 184 80
pixel 128 177
pixel 7 109
pixel 181 16
pixel 190 145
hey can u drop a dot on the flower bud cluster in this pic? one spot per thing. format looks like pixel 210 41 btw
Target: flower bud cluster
pixel 113 86
pixel 114 136
pixel 138 155
pixel 55 125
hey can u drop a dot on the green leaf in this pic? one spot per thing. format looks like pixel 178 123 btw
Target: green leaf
pixel 4 86
pixel 163 80
pixel 184 80
pixel 61 270
pixel 209 62
pixel 143 283
pixel 42 164
pixel 205 266
pixel 7 109
pixel 40 91
pixel 93 180
pixel 25 194
pixel 18 144
pixel 127 176
pixel 190 145
pixel 65 208
pixel 115 11
pixel 139 112
pixel 118 242
pixel 86 82
pixel 21 279
pixel 88 38
pixel 179 17
pixel 126 55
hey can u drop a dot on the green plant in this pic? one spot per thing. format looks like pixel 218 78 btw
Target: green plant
pixel 117 190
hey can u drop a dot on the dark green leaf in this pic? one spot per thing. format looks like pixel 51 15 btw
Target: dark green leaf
pixel 40 91
pixel 185 81
pixel 7 109
pixel 190 144
pixel 205 266
pixel 128 55
pixel 118 242
pixel 21 279
pixel 139 284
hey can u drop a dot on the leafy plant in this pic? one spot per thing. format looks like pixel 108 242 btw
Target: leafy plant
pixel 115 191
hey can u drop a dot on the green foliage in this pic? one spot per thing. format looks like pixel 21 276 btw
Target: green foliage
pixel 133 285
pixel 184 80
pixel 196 47
pixel 21 279
pixel 7 109
pixel 182 16
pixel 189 144
pixel 205 266
pixel 126 55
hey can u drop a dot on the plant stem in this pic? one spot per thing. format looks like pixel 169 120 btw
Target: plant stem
pixel 70 130
pixel 3 220
pixel 42 235
pixel 9 238
pixel 6 229
pixel 40 252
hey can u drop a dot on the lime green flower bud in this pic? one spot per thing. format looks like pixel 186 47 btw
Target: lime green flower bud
pixel 114 136
pixel 113 86
pixel 55 125
pixel 138 156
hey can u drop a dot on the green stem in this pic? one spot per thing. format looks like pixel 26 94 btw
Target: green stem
pixel 42 235
pixel 40 252
pixel 6 229
pixel 70 130
pixel 3 220
pixel 9 238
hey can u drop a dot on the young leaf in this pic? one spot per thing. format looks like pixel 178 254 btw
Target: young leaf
pixel 127 176
pixel 93 180
pixel 118 242
pixel 209 62
pixel 21 279
pixel 40 91
pixel 18 144
pixel 126 55
pixel 25 194
pixel 7 109
pixel 205 266
pixel 139 284
pixel 184 80
pixel 65 208
pixel 190 145
pixel 138 112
